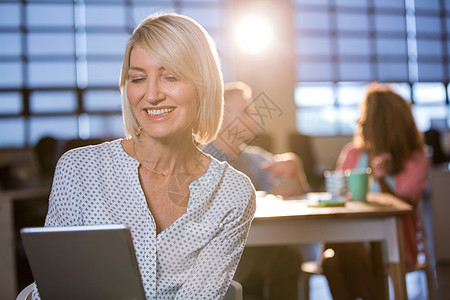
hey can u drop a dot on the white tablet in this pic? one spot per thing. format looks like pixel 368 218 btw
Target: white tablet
pixel 83 262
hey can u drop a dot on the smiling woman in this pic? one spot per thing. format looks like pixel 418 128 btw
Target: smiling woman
pixel 188 54
pixel 189 214
pixel 161 104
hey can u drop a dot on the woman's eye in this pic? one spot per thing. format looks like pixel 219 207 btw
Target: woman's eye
pixel 137 80
pixel 170 78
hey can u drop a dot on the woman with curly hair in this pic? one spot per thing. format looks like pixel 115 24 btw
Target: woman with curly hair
pixel 387 140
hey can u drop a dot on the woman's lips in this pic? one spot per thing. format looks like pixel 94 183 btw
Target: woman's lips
pixel 158 114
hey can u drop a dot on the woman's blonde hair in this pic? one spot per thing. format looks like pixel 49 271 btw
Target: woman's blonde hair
pixel 184 48
pixel 387 124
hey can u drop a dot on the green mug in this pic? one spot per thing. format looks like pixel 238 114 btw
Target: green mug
pixel 358 183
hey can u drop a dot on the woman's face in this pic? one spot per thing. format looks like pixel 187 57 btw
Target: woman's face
pixel 163 105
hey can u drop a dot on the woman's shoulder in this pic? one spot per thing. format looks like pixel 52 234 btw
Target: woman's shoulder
pixel 351 149
pixel 348 156
pixel 237 191
pixel 90 153
pixel 231 176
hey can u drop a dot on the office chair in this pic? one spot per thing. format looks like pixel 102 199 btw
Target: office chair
pixel 25 294
pixel 234 292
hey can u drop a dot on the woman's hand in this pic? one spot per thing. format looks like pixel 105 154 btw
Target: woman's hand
pixel 381 165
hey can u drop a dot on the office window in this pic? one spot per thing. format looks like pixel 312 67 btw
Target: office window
pixel 50 44
pixel 350 93
pixel 387 23
pixel 311 45
pixel 424 115
pixel 11 44
pixel 60 63
pixel 314 94
pixel 209 17
pixel 352 43
pixel 140 11
pixel 403 89
pixel 13 132
pixel 349 71
pixel 11 103
pixel 109 126
pixel 427 4
pixel 11 75
pixel 10 14
pixel 61 127
pixel 324 120
pixel 102 100
pixel 53 101
pixel 352 21
pixel 389 4
pixel 106 16
pixel 106 43
pixel 388 47
pixel 392 71
pixel 312 20
pixel 103 73
pixel 51 73
pixel 351 3
pixel 49 15
pixel 429 92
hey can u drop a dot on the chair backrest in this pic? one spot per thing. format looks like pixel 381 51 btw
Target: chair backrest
pixel 301 145
pixel 25 294
pixel 433 139
pixel 47 154
pixel 76 143
pixel 234 291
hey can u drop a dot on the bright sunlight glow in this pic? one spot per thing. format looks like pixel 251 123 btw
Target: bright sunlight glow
pixel 253 34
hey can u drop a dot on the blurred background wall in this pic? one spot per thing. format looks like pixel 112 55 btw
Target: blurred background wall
pixel 60 61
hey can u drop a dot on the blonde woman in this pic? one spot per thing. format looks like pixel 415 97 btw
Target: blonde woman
pixel 189 214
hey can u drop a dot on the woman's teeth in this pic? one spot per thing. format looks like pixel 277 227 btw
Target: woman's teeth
pixel 159 112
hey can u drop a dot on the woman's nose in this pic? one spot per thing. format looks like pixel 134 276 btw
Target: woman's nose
pixel 154 93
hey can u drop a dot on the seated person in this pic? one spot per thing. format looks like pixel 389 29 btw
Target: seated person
pixel 188 213
pixel 280 174
pixel 264 272
pixel 388 141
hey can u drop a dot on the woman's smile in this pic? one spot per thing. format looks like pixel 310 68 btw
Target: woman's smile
pixel 159 113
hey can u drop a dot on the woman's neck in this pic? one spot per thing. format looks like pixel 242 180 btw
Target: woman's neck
pixel 168 156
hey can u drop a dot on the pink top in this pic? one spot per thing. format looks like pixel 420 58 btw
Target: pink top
pixel 409 183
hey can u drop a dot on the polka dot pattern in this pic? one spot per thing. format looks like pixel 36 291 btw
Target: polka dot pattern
pixel 195 257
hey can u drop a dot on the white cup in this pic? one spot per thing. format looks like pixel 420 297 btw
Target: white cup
pixel 336 184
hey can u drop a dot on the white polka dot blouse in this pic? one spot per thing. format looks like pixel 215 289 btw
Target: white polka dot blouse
pixel 195 257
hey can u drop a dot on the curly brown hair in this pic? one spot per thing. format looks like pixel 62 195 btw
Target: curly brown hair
pixel 387 125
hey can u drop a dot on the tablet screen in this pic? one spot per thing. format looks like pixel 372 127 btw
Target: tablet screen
pixel 83 262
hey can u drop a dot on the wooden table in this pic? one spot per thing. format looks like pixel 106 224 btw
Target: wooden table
pixel 281 222
pixel 8 274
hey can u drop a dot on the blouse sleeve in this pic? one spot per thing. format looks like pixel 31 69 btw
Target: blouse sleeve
pixel 63 206
pixel 218 260
pixel 63 209
pixel 348 157
pixel 412 181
